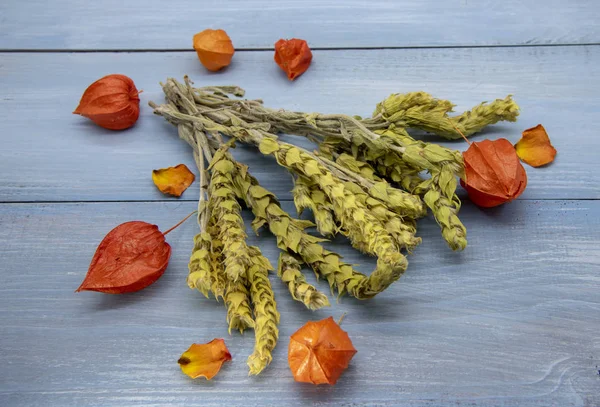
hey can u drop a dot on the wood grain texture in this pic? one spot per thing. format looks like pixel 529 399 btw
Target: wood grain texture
pixel 50 154
pixel 511 321
pixel 154 24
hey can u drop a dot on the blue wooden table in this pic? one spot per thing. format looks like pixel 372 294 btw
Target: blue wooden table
pixel 514 320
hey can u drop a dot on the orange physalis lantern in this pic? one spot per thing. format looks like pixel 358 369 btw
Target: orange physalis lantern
pixel 293 56
pixel 319 352
pixel 493 173
pixel 214 49
pixel 112 102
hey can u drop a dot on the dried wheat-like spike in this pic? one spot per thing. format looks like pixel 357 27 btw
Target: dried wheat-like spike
pixel 227 228
pixel 237 300
pixel 291 237
pixel 290 272
pixel 200 265
pixel 366 233
pixel 423 111
pixel 225 213
pixel 401 202
pixel 402 230
pixel 265 312
pixel 386 164
pixel 307 196
pixel 439 195
pixel 393 168
pixel 421 155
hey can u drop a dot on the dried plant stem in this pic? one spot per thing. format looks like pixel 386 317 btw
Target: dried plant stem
pixel 265 313
pixel 291 237
pixel 289 271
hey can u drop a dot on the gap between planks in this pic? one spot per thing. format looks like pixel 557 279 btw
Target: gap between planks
pixel 134 50
pixel 280 200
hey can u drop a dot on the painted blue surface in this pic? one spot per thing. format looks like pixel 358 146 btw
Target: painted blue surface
pixel 54 155
pixel 512 321
pixel 156 25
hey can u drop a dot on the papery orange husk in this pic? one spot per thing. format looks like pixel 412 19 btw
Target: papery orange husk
pixel 319 352
pixel 293 56
pixel 111 102
pixel 173 180
pixel 130 257
pixel 535 148
pixel 204 360
pixel 493 173
pixel 214 49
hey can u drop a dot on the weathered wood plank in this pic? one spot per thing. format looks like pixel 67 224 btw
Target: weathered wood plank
pixel 513 320
pixel 48 154
pixel 156 25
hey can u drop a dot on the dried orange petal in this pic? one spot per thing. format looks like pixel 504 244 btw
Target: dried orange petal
pixel 173 180
pixel 204 360
pixel 535 148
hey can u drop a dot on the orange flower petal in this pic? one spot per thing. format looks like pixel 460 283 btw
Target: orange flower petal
pixel 173 180
pixel 204 360
pixel 535 148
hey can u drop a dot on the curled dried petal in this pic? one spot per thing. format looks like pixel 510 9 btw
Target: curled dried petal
pixel 173 180
pixel 204 360
pixel 535 148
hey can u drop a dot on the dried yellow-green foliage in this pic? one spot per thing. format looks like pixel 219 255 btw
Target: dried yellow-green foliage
pixel 290 271
pixel 237 300
pixel 365 231
pixel 404 170
pixel 439 191
pixel 200 265
pixel 439 195
pixel 421 155
pixel 396 200
pixel 380 141
pixel 306 195
pixel 265 312
pixel 352 187
pixel 423 111
pixel 225 213
pixel 291 237
pixel 227 228
pixel 402 230
pixel 392 167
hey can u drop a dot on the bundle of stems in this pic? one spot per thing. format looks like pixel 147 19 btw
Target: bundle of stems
pixel 380 142
pixel 224 265
pixel 365 182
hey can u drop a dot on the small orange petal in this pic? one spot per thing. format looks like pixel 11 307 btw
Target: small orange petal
pixel 204 359
pixel 535 148
pixel 173 180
